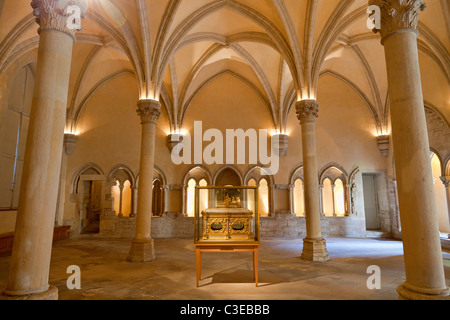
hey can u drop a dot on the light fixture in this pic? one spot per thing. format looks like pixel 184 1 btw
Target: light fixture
pixel 280 143
pixel 173 140
pixel 70 141
pixel 383 144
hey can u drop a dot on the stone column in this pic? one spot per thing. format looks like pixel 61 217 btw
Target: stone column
pixel 446 181
pixel 30 260
pixel 314 246
pixel 424 269
pixel 134 193
pixel 142 248
pixel 70 141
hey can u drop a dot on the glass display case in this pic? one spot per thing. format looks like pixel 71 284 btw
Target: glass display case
pixel 226 215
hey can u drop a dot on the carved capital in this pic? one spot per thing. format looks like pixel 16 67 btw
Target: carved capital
pixel 446 181
pixel 60 15
pixel 149 111
pixel 398 15
pixel 307 110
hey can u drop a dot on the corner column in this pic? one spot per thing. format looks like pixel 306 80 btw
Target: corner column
pixel 142 247
pixel 31 254
pixel 70 141
pixel 424 268
pixel 314 246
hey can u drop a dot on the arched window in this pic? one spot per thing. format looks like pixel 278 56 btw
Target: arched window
pixel 157 207
pixel 191 198
pixel 335 191
pixel 327 196
pixel 203 196
pixel 263 198
pixel 440 196
pixel 251 204
pixel 339 198
pixel 299 200
pixel 121 192
pixel 14 119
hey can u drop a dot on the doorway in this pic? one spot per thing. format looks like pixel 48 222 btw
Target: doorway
pixel 371 202
pixel 91 207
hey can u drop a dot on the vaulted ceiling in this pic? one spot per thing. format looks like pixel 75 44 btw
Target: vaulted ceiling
pixel 280 48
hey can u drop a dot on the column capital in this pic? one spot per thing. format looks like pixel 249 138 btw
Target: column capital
pixel 307 110
pixel 60 15
pixel 398 15
pixel 446 181
pixel 149 110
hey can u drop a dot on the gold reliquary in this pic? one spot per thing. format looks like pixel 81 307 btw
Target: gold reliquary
pixel 226 215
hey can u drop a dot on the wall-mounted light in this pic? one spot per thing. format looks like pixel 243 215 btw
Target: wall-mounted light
pixel 280 143
pixel 383 144
pixel 70 141
pixel 173 140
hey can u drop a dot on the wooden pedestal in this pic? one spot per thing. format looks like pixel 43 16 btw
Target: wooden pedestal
pixel 226 248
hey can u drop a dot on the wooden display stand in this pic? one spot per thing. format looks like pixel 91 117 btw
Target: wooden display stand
pixel 200 248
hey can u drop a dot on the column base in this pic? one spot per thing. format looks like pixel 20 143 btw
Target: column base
pixel 315 250
pixel 50 294
pixel 142 251
pixel 408 292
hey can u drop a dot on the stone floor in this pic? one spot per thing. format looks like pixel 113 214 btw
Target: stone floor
pixel 106 275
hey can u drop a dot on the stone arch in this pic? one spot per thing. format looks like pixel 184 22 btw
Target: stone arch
pixel 197 172
pixel 89 168
pixel 235 175
pixel 333 171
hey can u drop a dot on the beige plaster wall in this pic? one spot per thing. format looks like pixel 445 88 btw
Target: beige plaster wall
pixel 109 133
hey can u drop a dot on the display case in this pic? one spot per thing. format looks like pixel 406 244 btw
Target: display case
pixel 226 215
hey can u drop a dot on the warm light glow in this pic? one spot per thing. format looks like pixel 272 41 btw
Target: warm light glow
pixel 327 197
pixel 182 132
pixel 278 132
pixel 299 201
pixel 440 196
pixel 263 198
pixel 203 195
pixel 339 203
pixel 72 133
pixel 191 198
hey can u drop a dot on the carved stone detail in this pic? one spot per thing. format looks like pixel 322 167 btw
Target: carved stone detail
pixel 446 181
pixel 149 111
pixel 70 141
pixel 55 14
pixel 398 15
pixel 307 110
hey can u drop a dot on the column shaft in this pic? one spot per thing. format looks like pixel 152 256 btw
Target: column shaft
pixel 314 246
pixel 424 269
pixel 30 261
pixel 142 248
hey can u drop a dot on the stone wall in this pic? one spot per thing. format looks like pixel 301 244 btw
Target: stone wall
pixel 280 225
pixel 283 225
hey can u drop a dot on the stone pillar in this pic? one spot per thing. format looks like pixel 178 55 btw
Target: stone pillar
pixel 446 181
pixel 30 260
pixel 70 141
pixel 314 246
pixel 134 194
pixel 142 248
pixel 424 269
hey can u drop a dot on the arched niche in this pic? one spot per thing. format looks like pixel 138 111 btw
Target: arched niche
pixel 228 176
